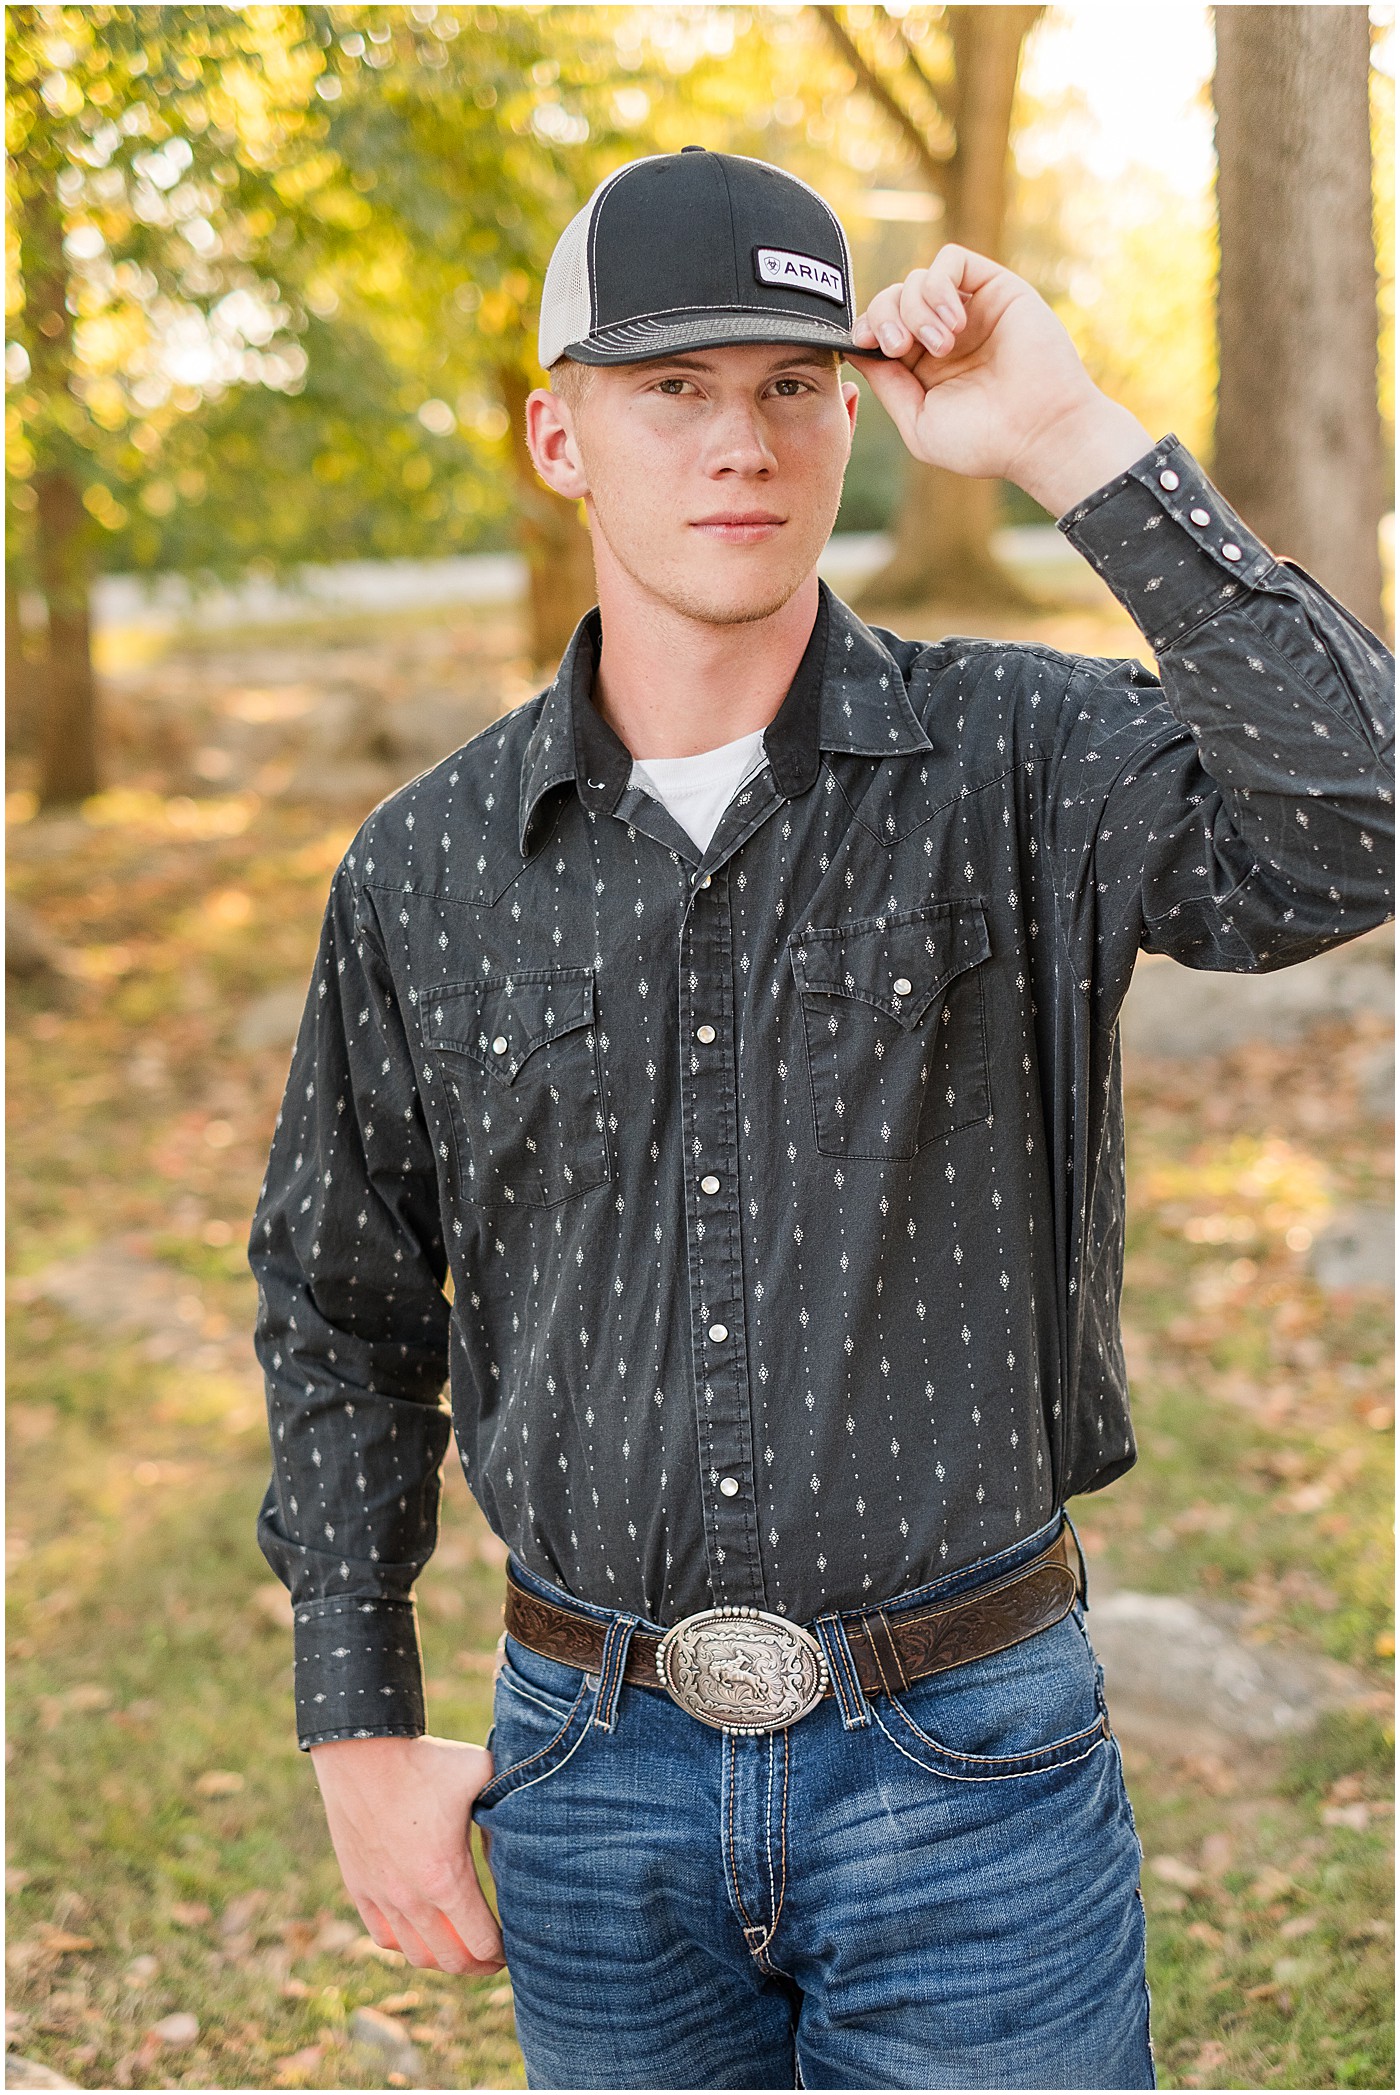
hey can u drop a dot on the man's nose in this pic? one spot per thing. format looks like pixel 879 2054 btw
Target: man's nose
pixel 738 442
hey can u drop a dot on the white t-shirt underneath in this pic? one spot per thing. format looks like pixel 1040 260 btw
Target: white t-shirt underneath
pixel 698 789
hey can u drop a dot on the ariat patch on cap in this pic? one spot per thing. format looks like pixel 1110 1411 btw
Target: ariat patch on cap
pixel 777 265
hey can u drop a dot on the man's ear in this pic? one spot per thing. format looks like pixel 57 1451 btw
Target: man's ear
pixel 850 393
pixel 549 432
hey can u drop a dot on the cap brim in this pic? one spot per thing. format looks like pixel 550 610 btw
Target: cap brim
pixel 642 341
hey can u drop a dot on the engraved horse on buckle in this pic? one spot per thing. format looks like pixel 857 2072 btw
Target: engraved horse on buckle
pixel 741 1670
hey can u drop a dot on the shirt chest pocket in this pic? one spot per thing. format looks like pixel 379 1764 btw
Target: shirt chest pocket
pixel 895 1027
pixel 518 1059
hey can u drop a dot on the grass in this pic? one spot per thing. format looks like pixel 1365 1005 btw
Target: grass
pixel 167 1852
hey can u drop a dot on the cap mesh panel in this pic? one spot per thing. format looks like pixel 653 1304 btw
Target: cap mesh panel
pixel 566 309
pixel 566 299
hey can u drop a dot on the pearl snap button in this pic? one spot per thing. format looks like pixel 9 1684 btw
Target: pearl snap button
pixel 1200 516
pixel 704 881
pixel 719 1332
pixel 709 1184
pixel 705 1033
pixel 902 985
pixel 1231 552
pixel 499 1044
pixel 729 1486
pixel 1169 479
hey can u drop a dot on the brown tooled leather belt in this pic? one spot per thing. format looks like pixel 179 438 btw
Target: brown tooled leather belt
pixel 742 1670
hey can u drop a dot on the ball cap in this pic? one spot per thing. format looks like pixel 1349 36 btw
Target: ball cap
pixel 695 250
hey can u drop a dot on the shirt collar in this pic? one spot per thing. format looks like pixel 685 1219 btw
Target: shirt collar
pixel 848 694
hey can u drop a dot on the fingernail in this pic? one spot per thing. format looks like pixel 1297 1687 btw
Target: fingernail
pixel 950 314
pixel 891 338
pixel 936 339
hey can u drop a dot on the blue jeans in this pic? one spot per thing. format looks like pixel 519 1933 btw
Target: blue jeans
pixel 932 1890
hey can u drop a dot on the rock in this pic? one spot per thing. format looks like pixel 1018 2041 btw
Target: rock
pixel 28 2073
pixel 1377 1082
pixel 1187 1012
pixel 113 1290
pixel 390 2044
pixel 272 1019
pixel 177 2030
pixel 1169 1664
pixel 31 954
pixel 1355 1249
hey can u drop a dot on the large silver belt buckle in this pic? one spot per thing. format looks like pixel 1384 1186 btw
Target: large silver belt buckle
pixel 742 1670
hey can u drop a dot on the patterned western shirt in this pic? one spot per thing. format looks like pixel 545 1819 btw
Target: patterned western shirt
pixel 765 1205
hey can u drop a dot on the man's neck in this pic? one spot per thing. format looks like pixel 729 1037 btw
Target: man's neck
pixel 673 686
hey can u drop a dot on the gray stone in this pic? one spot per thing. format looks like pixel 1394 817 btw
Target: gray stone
pixel 1355 1249
pixel 1187 1012
pixel 1376 1082
pixel 28 2073
pixel 272 1019
pixel 1173 1665
pixel 114 1291
pixel 31 953
pixel 389 2043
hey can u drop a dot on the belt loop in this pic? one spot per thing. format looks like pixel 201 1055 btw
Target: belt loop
pixel 610 1672
pixel 845 1681
pixel 1083 1568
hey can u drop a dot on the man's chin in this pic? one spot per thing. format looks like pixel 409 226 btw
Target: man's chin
pixel 741 599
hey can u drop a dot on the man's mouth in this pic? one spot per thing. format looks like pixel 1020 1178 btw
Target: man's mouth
pixel 747 527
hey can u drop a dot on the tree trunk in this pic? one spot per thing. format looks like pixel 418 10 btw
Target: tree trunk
pixel 943 529
pixel 1298 435
pixel 68 743
pixel 23 701
pixel 62 530
pixel 558 550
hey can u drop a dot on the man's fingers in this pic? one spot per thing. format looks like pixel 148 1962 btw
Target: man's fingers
pixel 924 312
pixel 899 393
pixel 931 309
pixel 409 1939
pixel 456 1942
pixel 378 1927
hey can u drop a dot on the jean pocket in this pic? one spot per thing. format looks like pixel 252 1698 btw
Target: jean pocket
pixel 894 1026
pixel 1032 1708
pixel 541 1713
pixel 518 1056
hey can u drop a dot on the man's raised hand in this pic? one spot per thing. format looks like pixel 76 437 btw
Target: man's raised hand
pixel 399 1812
pixel 985 381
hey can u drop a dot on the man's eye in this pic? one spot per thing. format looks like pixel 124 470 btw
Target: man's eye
pixel 787 387
pixel 672 385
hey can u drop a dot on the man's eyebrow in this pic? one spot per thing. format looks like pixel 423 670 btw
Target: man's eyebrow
pixel 684 360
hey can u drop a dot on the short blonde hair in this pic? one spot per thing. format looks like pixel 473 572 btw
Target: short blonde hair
pixel 570 379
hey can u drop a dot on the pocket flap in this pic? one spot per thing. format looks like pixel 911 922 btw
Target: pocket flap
pixel 501 1021
pixel 924 948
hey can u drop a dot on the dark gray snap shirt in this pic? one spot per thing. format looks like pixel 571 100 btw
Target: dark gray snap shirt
pixel 765 1206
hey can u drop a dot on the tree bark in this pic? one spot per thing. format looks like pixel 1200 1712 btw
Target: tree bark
pixel 1298 446
pixel 62 530
pixel 68 740
pixel 943 528
pixel 558 550
pixel 23 701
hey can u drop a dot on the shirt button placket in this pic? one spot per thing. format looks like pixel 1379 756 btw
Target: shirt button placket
pixel 710 1111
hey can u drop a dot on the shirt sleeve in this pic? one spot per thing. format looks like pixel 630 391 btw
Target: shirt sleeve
pixel 1236 810
pixel 352 1335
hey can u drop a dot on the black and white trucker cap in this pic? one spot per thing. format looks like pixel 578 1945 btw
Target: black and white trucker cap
pixel 693 250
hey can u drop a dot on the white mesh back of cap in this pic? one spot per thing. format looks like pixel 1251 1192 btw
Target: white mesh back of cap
pixel 566 309
pixel 566 301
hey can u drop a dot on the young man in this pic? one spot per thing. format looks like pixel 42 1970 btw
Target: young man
pixel 735 1025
